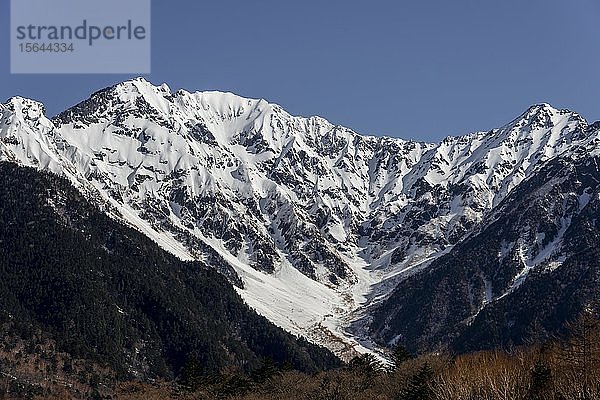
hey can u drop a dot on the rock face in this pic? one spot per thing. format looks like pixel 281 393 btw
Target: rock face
pixel 313 223
pixel 102 292
pixel 531 266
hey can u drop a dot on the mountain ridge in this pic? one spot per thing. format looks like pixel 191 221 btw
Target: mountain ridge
pixel 314 220
pixel 105 292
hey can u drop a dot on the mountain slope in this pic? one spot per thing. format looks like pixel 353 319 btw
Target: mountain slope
pixel 312 222
pixel 106 292
pixel 531 267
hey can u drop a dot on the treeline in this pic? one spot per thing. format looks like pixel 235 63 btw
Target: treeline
pixel 104 292
pixel 566 368
pixel 91 305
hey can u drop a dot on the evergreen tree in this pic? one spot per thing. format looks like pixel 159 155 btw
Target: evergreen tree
pixel 399 355
pixel 105 292
pixel 419 386
pixel 541 382
pixel 265 371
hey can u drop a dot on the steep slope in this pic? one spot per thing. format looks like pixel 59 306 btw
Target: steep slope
pixel 312 222
pixel 456 183
pixel 530 267
pixel 214 176
pixel 27 137
pixel 105 292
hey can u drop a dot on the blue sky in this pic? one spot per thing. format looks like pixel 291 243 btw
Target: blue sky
pixel 421 70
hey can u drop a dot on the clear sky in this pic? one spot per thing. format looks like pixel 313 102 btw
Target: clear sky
pixel 413 69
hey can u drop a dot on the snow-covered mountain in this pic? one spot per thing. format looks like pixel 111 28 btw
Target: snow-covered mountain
pixel 311 221
pixel 532 265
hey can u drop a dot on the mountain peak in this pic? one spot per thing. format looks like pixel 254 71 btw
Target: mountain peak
pixel 546 109
pixel 540 110
pixel 19 104
pixel 217 98
pixel 544 115
pixel 293 208
pixel 143 86
pixel 542 106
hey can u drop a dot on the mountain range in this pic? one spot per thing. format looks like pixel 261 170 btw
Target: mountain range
pixel 357 243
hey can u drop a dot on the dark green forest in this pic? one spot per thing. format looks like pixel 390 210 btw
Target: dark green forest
pixel 102 291
pixel 90 308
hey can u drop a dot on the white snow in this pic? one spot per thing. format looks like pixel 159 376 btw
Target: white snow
pixel 240 153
